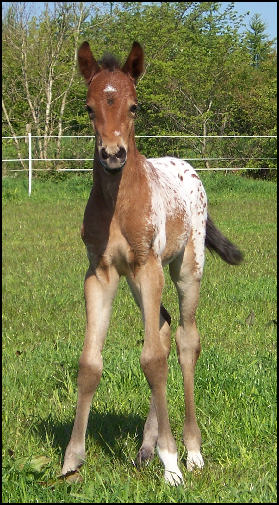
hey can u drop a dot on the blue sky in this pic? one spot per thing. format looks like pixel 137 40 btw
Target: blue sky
pixel 267 10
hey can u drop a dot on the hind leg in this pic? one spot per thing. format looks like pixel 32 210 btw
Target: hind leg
pixel 187 281
pixel 150 432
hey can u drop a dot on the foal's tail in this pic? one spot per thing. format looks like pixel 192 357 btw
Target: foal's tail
pixel 216 241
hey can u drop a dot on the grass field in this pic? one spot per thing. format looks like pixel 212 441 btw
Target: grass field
pixel 44 263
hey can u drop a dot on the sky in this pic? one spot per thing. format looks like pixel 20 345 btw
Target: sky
pixel 267 10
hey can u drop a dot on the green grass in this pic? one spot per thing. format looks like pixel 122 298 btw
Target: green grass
pixel 44 263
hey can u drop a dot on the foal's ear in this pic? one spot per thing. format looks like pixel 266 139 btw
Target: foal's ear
pixel 134 63
pixel 87 64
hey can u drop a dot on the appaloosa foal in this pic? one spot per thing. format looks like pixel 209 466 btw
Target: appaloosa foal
pixel 141 215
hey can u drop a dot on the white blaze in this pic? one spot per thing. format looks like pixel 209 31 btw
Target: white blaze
pixel 109 89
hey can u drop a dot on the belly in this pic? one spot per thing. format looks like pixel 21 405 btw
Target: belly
pixel 171 238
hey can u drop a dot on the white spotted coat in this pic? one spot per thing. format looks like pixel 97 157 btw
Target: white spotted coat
pixel 176 188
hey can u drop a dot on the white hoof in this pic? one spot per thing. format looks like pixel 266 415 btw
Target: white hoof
pixel 173 475
pixel 174 478
pixel 194 459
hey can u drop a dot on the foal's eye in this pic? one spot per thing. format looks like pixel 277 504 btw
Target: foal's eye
pixel 90 111
pixel 133 108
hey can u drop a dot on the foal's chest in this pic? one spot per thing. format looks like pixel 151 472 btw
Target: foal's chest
pixel 110 244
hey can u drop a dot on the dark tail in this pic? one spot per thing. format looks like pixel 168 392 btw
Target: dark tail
pixel 216 241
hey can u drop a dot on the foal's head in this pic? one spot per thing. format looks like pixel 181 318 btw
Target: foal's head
pixel 111 102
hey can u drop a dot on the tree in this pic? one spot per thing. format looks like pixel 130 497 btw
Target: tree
pixel 199 76
pixel 42 53
pixel 256 40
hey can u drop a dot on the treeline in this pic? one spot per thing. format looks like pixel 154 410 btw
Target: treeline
pixel 205 74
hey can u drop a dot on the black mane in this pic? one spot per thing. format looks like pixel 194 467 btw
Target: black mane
pixel 109 62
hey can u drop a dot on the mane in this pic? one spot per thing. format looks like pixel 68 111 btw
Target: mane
pixel 109 62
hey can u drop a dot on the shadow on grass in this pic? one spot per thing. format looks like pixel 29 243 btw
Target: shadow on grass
pixel 109 431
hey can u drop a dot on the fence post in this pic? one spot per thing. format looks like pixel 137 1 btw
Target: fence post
pixel 30 164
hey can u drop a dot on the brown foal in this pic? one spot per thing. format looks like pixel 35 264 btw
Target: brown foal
pixel 141 215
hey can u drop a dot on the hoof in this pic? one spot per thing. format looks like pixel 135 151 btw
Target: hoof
pixel 71 477
pixel 173 475
pixel 144 456
pixel 194 460
pixel 72 462
pixel 174 478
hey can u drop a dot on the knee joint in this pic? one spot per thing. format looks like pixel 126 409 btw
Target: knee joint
pixel 90 372
pixel 188 343
pixel 154 364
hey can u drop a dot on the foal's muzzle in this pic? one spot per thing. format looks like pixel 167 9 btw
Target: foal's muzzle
pixel 113 163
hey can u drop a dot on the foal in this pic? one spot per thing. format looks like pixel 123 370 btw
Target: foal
pixel 141 215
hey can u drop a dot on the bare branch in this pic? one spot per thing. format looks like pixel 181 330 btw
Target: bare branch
pixel 13 133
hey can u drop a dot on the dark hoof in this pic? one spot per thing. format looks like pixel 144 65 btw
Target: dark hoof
pixel 144 456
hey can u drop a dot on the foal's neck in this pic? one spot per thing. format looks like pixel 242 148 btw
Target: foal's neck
pixel 109 186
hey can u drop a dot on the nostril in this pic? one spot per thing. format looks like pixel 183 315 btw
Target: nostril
pixel 121 153
pixel 104 153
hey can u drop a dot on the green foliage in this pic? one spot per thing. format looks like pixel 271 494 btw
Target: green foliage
pixel 204 76
pixel 257 43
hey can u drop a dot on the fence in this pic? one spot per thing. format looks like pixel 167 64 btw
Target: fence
pixel 28 139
